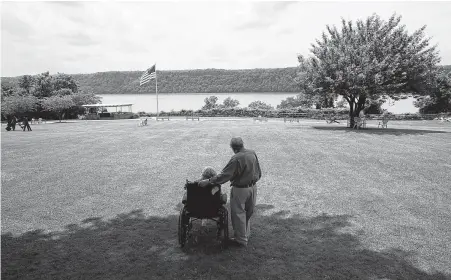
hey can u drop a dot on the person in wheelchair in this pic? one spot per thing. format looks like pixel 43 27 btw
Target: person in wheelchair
pixel 203 203
pixel 207 173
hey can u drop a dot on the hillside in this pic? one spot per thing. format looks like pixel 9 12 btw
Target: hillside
pixel 190 81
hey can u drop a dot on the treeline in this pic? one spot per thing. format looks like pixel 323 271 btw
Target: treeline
pixel 44 96
pixel 187 81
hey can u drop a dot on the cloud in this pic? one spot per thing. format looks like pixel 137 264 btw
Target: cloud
pixel 285 31
pixel 265 15
pixel 15 26
pixel 158 37
pixel 218 53
pixel 79 39
pixel 282 5
pixel 255 24
pixel 97 36
pixel 69 4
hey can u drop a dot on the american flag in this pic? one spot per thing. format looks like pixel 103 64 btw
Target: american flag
pixel 148 75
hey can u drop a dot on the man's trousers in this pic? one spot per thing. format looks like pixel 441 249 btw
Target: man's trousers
pixel 242 204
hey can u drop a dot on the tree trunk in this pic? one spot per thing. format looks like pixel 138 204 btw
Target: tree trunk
pixel 351 113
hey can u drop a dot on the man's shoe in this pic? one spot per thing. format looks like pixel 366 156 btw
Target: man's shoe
pixel 234 242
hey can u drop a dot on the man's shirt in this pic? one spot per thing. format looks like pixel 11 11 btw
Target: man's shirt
pixel 242 169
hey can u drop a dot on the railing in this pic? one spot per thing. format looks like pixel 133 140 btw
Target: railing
pixel 192 117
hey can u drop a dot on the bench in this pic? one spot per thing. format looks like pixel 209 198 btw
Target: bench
pixel 163 118
pixel 358 122
pixel 291 117
pixel 192 117
pixel 331 119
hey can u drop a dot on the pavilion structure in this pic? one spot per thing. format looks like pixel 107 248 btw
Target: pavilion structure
pixel 108 111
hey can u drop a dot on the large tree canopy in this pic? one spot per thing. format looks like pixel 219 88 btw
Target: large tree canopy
pixel 45 94
pixel 18 104
pixel 369 61
pixel 58 104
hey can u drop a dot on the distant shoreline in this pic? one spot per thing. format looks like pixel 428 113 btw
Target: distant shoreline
pixel 199 93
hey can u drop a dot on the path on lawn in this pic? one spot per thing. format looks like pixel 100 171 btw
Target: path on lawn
pixel 334 203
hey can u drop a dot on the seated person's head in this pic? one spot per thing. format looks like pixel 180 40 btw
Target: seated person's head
pixel 208 173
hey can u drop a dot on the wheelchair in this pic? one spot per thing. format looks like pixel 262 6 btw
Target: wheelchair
pixel 201 204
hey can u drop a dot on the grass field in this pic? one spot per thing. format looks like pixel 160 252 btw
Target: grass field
pixel 100 200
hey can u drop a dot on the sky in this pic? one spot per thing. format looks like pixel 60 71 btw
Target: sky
pixel 89 37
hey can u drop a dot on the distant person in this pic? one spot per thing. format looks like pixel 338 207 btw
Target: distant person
pixel 362 114
pixel 243 171
pixel 13 123
pixel 26 124
pixel 8 126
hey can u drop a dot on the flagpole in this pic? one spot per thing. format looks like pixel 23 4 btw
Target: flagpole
pixel 156 88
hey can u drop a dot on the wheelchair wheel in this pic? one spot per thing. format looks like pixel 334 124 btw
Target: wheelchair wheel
pixel 223 227
pixel 183 227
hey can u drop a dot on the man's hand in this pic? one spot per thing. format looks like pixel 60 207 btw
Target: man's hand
pixel 214 190
pixel 203 183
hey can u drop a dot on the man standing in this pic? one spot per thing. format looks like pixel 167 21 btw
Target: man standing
pixel 243 171
pixel 13 123
pixel 26 125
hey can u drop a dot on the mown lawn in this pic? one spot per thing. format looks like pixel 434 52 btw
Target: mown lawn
pixel 100 200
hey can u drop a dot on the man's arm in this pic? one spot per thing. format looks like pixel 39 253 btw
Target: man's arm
pixel 258 167
pixel 226 174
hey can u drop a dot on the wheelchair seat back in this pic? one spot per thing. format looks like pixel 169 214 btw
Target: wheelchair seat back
pixel 200 202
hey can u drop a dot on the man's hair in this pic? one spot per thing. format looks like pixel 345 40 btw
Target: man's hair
pixel 208 173
pixel 236 143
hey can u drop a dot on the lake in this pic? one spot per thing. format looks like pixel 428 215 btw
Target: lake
pixel 189 101
pixel 195 101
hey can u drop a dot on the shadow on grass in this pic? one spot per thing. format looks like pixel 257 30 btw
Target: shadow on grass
pixel 133 246
pixel 389 131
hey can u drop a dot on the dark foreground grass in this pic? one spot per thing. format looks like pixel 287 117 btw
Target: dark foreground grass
pixel 100 200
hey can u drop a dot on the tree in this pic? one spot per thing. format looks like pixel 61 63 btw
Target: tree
pixel 17 104
pixel 300 100
pixel 374 107
pixel 64 81
pixel 229 102
pixel 62 92
pixel 324 102
pixel 58 104
pixel 260 105
pixel 342 103
pixel 210 102
pixel 26 82
pixel 7 90
pixel 440 99
pixel 43 86
pixel 83 98
pixel 369 60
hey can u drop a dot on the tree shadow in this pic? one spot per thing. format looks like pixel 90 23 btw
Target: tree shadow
pixel 382 131
pixel 133 246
